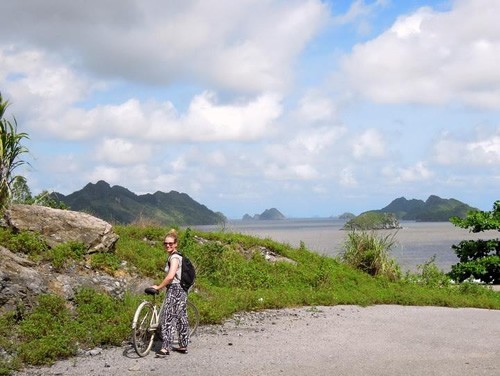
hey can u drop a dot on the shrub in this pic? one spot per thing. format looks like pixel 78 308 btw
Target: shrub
pixel 370 254
pixel 107 262
pixel 10 150
pixel 63 254
pixel 429 275
pixel 26 242
pixel 479 259
pixel 45 332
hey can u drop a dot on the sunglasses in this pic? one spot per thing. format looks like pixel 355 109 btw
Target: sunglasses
pixel 168 243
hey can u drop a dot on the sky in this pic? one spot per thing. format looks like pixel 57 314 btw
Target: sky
pixel 311 107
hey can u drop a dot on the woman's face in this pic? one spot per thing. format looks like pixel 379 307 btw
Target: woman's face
pixel 170 244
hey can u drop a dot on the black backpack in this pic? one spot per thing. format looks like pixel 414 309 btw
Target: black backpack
pixel 188 273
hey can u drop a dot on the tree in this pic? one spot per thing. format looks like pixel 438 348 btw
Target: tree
pixel 20 192
pixel 479 259
pixel 10 150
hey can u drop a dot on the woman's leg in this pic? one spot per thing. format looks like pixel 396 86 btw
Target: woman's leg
pixel 169 319
pixel 182 322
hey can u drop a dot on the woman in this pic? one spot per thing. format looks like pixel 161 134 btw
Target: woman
pixel 174 308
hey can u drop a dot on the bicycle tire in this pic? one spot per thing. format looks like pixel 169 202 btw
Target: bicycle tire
pixel 143 329
pixel 193 317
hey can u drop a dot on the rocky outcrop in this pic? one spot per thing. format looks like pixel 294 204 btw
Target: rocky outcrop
pixel 19 281
pixel 59 226
pixel 22 280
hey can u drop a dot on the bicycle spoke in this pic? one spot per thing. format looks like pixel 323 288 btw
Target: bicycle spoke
pixel 143 334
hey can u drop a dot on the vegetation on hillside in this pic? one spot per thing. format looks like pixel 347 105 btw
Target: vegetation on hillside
pixel 372 221
pixel 233 275
pixel 118 205
pixel 434 209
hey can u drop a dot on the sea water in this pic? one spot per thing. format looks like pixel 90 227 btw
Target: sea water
pixel 415 243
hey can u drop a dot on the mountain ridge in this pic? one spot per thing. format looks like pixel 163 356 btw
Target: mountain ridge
pixel 434 209
pixel 117 204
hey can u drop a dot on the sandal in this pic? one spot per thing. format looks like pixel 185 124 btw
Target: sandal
pixel 181 350
pixel 162 353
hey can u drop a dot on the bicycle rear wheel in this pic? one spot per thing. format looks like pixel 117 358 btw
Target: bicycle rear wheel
pixel 193 317
pixel 143 328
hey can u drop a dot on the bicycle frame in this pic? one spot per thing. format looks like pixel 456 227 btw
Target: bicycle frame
pixel 155 318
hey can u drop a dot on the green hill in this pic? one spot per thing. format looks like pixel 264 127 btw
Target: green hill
pixel 119 205
pixel 434 209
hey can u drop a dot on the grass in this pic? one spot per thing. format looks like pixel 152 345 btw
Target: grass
pixel 232 276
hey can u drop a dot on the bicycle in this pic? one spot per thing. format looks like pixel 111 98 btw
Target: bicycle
pixel 146 321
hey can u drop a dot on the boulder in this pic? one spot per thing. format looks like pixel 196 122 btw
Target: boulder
pixel 19 281
pixel 59 226
pixel 22 281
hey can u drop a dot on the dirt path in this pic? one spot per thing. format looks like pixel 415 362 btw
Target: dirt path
pixel 341 340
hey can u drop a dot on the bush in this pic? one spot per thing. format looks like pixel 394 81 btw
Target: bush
pixel 10 150
pixel 479 259
pixel 62 255
pixel 107 262
pixel 429 275
pixel 370 254
pixel 26 242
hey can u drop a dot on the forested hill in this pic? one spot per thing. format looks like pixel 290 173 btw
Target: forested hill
pixel 119 205
pixel 434 209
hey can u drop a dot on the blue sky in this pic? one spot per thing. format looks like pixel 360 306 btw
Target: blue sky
pixel 312 107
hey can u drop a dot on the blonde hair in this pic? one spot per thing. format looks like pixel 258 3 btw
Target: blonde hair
pixel 172 234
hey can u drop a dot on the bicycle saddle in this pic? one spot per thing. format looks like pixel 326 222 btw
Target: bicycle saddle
pixel 151 291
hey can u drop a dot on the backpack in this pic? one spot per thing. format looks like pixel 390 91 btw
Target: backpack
pixel 188 273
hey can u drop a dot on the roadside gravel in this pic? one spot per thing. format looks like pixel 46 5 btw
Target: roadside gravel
pixel 341 340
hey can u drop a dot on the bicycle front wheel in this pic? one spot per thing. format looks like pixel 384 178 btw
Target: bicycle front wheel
pixel 143 328
pixel 193 318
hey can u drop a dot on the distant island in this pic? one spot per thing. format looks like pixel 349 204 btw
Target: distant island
pixel 266 215
pixel 346 216
pixel 119 205
pixel 434 209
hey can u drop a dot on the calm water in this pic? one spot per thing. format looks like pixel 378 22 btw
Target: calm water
pixel 416 242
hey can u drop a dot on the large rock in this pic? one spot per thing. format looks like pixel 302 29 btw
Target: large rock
pixel 19 281
pixel 22 281
pixel 59 226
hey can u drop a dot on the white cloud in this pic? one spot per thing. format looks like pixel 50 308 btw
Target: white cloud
pixel 208 121
pixel 479 152
pixel 205 120
pixel 369 144
pixel 433 57
pixel 39 86
pixel 347 178
pixel 419 172
pixel 122 152
pixel 237 45
pixel 315 107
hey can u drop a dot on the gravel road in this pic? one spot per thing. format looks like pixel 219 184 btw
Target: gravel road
pixel 341 340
